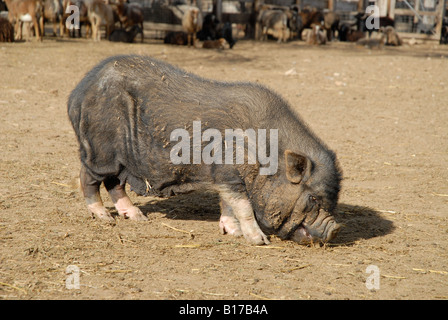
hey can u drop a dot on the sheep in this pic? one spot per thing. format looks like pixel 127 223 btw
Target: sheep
pixel 192 23
pixel 25 11
pixel 100 14
pixel 6 31
pixel 129 14
pixel 121 35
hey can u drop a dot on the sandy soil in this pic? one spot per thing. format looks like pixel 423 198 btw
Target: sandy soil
pixel 384 112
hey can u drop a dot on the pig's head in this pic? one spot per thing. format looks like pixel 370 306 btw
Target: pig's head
pixel 299 201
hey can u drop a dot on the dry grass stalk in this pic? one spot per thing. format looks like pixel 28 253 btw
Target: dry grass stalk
pixel 179 230
pixel 14 287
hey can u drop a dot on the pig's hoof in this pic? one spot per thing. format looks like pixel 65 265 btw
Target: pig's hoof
pixel 258 239
pixel 98 211
pixel 230 225
pixel 134 213
pixel 103 215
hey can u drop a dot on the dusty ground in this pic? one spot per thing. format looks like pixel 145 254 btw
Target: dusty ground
pixel 384 112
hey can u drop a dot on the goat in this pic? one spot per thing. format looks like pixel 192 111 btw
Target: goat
pixel 6 31
pixel 317 35
pixel 347 33
pixel 361 19
pixel 100 14
pixel 121 35
pixel 392 38
pixel 310 17
pixel 130 14
pixel 295 21
pixel 331 24
pixel 25 11
pixel 53 12
pixel 213 29
pixel 275 20
pixel 192 23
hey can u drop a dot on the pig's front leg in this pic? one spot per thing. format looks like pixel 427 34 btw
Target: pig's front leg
pixel 243 212
pixel 227 222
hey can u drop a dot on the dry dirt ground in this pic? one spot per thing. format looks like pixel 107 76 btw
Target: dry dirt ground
pixel 385 113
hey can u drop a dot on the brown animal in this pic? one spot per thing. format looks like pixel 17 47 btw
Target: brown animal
pixel 216 44
pixel 355 35
pixel 176 37
pixel 130 14
pixel 100 14
pixel 331 24
pixel 121 35
pixel 53 12
pixel 192 23
pixel 392 38
pixel 310 17
pixel 273 22
pixel 317 35
pixel 6 31
pixel 25 11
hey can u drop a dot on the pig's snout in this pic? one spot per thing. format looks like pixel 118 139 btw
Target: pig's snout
pixel 322 230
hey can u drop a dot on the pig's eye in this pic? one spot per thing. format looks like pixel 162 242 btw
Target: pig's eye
pixel 311 202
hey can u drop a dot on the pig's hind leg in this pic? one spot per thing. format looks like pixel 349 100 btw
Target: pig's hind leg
pixel 227 222
pixel 91 190
pixel 121 200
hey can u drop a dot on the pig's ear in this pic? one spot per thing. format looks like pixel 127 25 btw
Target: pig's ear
pixel 298 167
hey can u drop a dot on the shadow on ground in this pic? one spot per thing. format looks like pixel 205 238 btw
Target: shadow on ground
pixel 358 222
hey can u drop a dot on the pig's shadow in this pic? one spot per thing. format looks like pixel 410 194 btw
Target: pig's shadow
pixel 358 222
pixel 193 206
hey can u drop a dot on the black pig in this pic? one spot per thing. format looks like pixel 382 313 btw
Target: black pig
pixel 124 113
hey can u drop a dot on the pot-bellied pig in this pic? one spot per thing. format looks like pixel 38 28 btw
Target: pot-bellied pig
pixel 145 122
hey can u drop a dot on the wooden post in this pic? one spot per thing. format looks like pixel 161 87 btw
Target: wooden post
pixel 391 13
pixel 361 7
pixel 331 4
pixel 219 10
pixel 440 9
